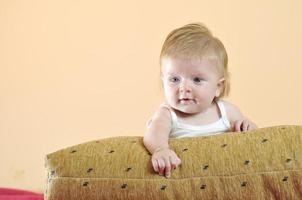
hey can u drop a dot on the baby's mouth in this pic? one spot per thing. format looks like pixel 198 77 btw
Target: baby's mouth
pixel 186 101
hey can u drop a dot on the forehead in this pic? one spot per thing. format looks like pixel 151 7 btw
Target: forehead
pixel 182 66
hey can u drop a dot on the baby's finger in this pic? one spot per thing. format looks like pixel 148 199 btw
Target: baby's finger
pixel 237 126
pixel 161 166
pixel 178 161
pixel 167 168
pixel 155 165
pixel 245 125
pixel 175 161
pixel 234 126
pixel 252 126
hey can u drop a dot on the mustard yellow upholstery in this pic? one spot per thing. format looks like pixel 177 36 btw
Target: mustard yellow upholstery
pixel 261 164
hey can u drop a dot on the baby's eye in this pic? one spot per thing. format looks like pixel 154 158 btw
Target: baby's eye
pixel 174 79
pixel 197 80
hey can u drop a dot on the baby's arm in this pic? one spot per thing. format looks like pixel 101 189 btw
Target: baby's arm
pixel 156 141
pixel 237 120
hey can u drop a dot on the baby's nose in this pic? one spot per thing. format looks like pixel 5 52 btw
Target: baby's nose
pixel 185 88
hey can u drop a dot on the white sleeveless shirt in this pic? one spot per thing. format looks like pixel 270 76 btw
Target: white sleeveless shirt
pixel 180 130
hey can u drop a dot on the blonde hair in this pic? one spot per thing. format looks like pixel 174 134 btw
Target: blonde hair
pixel 196 42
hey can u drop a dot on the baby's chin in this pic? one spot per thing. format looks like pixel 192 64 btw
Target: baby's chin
pixel 186 109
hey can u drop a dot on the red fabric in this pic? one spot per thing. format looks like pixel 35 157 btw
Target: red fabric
pixel 14 194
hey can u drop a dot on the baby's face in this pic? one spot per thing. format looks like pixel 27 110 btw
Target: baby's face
pixel 190 87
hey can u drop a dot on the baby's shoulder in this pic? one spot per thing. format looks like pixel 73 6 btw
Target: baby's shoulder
pixel 228 105
pixel 232 111
pixel 163 111
pixel 162 115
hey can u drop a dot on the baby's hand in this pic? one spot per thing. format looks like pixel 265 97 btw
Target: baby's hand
pixel 243 125
pixel 163 160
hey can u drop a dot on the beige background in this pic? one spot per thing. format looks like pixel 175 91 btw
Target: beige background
pixel 73 71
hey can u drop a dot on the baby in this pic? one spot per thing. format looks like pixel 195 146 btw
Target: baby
pixel 195 77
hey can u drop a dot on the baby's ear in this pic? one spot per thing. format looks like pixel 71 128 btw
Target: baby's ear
pixel 220 86
pixel 220 83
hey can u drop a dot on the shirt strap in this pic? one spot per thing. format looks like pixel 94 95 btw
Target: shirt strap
pixel 172 113
pixel 223 113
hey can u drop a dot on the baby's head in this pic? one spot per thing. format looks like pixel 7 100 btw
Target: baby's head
pixel 193 69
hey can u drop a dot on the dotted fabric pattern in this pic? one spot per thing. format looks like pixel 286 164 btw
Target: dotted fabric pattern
pixel 261 164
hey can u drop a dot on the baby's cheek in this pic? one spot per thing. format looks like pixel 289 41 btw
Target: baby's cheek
pixel 170 93
pixel 170 99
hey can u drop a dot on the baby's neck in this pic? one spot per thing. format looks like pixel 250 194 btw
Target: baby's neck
pixel 209 115
pixel 194 115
